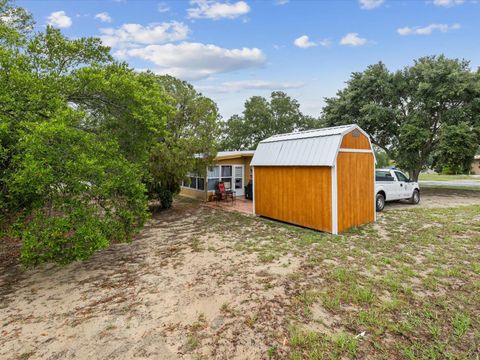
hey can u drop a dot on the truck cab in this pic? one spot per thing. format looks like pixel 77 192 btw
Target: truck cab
pixel 392 185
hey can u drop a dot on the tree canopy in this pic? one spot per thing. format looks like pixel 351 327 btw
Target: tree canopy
pixel 416 115
pixel 84 139
pixel 262 118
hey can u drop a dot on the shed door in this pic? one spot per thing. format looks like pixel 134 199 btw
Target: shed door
pixel 355 189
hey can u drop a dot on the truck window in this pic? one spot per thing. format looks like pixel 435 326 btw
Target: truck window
pixel 383 175
pixel 401 176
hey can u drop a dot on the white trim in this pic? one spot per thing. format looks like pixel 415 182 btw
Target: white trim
pixel 242 189
pixel 253 189
pixel 339 149
pixel 355 150
pixel 334 200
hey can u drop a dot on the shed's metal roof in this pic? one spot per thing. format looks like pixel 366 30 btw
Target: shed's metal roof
pixel 306 148
pixel 336 130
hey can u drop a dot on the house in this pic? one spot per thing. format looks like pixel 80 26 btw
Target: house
pixel 321 179
pixel 475 168
pixel 231 167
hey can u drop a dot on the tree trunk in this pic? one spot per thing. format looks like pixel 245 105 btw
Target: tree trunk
pixel 414 174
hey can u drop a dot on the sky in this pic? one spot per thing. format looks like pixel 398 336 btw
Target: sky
pixel 232 50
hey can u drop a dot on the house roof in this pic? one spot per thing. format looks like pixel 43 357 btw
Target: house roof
pixel 234 154
pixel 306 148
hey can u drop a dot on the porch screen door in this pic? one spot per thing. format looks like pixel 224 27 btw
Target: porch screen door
pixel 238 181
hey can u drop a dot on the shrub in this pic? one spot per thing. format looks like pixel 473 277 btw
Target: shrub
pixel 76 193
pixel 166 198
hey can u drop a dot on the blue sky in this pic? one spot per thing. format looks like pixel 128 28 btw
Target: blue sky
pixel 231 50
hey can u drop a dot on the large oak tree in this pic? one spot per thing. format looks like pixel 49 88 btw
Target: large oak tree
pixel 410 113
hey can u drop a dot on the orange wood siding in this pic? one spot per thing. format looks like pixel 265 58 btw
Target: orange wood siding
pixel 355 188
pixel 355 142
pixel 297 195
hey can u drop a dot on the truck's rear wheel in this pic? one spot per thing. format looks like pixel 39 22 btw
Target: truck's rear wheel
pixel 380 202
pixel 415 199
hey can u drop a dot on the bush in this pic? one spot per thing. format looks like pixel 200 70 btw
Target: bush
pixel 166 198
pixel 76 194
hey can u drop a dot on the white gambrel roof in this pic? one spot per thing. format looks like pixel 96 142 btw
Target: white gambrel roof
pixel 305 148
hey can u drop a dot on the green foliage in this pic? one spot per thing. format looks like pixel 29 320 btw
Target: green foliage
pixel 381 157
pixel 78 194
pixel 262 118
pixel 80 137
pixel 192 129
pixel 166 198
pixel 456 149
pixel 406 111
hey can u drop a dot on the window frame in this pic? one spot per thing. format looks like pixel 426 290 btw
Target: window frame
pixel 221 177
pixel 195 176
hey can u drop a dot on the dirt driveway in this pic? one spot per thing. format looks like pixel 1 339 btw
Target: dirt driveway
pixel 439 198
pixel 200 283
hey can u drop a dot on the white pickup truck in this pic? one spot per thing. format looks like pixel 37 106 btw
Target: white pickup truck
pixel 391 185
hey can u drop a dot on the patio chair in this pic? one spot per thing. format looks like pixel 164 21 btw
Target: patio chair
pixel 222 194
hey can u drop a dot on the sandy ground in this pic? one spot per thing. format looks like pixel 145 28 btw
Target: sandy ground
pixel 178 291
pixel 143 300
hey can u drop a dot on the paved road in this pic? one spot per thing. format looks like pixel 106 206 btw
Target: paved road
pixel 457 183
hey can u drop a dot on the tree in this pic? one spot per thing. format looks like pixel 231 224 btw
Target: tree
pixel 405 111
pixel 381 157
pixel 191 130
pixel 262 118
pixel 76 131
pixel 456 149
pixel 78 193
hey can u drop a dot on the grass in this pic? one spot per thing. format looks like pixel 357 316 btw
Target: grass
pixel 410 282
pixel 451 187
pixel 440 177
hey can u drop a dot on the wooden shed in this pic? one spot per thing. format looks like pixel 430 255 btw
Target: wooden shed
pixel 322 179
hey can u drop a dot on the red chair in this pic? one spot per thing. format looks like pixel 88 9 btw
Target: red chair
pixel 222 194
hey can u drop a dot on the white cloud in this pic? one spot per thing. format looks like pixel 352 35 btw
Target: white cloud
pixel 448 3
pixel 304 42
pixel 353 39
pixel 130 35
pixel 236 86
pixel 59 19
pixel 211 9
pixel 196 60
pixel 281 2
pixel 427 30
pixel 104 17
pixel 162 7
pixel 370 4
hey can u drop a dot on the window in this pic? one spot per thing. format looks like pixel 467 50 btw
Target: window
pixel 383 175
pixel 200 184
pixel 226 170
pixel 213 174
pixel 401 176
pixel 221 173
pixel 194 182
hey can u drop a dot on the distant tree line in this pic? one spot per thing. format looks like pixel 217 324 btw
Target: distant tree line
pixel 86 142
pixel 424 116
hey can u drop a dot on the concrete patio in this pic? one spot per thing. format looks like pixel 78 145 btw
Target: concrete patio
pixel 240 204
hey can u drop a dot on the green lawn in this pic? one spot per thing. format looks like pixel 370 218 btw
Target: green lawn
pixel 439 177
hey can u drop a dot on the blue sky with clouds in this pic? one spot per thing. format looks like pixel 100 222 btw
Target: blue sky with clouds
pixel 231 50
